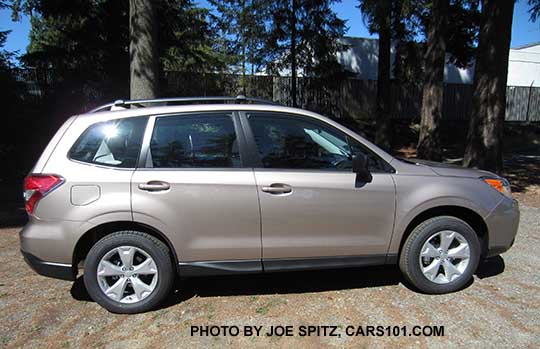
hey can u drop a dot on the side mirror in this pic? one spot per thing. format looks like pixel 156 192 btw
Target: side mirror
pixel 360 167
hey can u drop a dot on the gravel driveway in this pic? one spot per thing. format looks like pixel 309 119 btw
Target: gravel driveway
pixel 501 308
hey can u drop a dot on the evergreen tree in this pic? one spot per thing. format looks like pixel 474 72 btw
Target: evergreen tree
pixel 393 21
pixel 242 26
pixel 84 45
pixel 304 37
pixel 484 138
pixel 143 49
pixel 432 95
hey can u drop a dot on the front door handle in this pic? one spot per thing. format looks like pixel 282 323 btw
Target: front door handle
pixel 277 188
pixel 154 186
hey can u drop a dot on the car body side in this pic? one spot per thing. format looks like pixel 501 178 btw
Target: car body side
pixel 68 214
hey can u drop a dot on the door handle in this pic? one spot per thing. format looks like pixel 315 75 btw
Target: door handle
pixel 277 188
pixel 154 186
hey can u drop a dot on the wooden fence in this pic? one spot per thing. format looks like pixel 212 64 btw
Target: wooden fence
pixel 351 97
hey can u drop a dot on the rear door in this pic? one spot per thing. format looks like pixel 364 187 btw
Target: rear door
pixel 193 186
pixel 311 210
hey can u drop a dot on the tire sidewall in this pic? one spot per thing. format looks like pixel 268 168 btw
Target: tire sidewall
pixel 427 231
pixel 102 247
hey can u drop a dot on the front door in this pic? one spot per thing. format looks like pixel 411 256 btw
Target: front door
pixel 193 186
pixel 310 207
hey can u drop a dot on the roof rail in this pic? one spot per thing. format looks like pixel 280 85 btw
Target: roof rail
pixel 141 102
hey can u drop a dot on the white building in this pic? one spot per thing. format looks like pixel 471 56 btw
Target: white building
pixel 524 65
pixel 362 58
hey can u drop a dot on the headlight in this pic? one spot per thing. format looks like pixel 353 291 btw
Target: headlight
pixel 500 184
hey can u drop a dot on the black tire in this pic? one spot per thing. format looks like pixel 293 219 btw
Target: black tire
pixel 149 244
pixel 409 260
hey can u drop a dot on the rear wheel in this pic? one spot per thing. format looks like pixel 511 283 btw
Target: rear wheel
pixel 440 255
pixel 128 272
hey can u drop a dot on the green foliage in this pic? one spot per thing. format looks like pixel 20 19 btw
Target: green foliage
pixel 84 45
pixel 410 18
pixel 405 24
pixel 462 31
pixel 187 42
pixel 241 27
pixel 317 31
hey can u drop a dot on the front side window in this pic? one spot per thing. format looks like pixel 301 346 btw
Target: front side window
pixel 291 142
pixel 115 143
pixel 194 141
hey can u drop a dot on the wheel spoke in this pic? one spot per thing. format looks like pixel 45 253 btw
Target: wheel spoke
pixel 450 270
pixel 148 267
pixel 460 252
pixel 126 255
pixel 106 268
pixel 141 289
pixel 432 269
pixel 440 251
pixel 127 283
pixel 429 251
pixel 116 291
pixel 446 240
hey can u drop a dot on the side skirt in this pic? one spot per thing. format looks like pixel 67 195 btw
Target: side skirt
pixel 290 264
pixel 253 266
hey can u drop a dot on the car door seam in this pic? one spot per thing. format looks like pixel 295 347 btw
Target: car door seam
pixel 260 217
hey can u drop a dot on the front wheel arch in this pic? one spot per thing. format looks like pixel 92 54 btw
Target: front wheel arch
pixel 467 215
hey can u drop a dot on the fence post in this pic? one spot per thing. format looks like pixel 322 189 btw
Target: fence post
pixel 529 102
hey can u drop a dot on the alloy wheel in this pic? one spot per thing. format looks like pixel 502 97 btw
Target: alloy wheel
pixel 444 257
pixel 127 274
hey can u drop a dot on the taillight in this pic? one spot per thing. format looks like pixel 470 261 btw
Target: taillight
pixel 36 186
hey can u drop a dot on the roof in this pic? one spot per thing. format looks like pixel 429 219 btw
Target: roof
pixel 186 108
pixel 521 47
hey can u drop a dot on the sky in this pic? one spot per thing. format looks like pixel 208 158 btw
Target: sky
pixel 523 31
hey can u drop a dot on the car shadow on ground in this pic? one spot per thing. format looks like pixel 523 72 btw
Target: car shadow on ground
pixel 292 282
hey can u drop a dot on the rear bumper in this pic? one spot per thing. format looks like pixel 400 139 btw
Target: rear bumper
pixel 54 270
pixel 502 225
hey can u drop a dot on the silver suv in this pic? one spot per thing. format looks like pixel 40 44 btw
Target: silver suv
pixel 142 191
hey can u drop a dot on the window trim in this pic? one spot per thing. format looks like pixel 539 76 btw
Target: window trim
pixel 257 162
pixel 145 149
pixel 103 165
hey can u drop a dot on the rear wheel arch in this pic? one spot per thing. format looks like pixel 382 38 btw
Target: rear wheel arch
pixel 469 216
pixel 89 238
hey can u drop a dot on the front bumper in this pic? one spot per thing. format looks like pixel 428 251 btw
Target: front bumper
pixel 54 270
pixel 502 223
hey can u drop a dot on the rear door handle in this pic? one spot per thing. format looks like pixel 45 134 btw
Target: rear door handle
pixel 154 186
pixel 277 188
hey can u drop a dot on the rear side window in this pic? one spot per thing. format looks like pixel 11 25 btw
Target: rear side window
pixel 115 143
pixel 194 141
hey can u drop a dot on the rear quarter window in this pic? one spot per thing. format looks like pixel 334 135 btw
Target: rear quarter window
pixel 115 143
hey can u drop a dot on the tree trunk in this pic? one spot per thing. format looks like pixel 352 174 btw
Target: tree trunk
pixel 484 138
pixel 383 136
pixel 293 51
pixel 243 31
pixel 429 146
pixel 144 64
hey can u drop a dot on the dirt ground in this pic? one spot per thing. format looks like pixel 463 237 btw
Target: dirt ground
pixel 499 309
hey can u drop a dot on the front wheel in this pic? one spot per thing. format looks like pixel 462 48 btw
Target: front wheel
pixel 440 255
pixel 128 272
